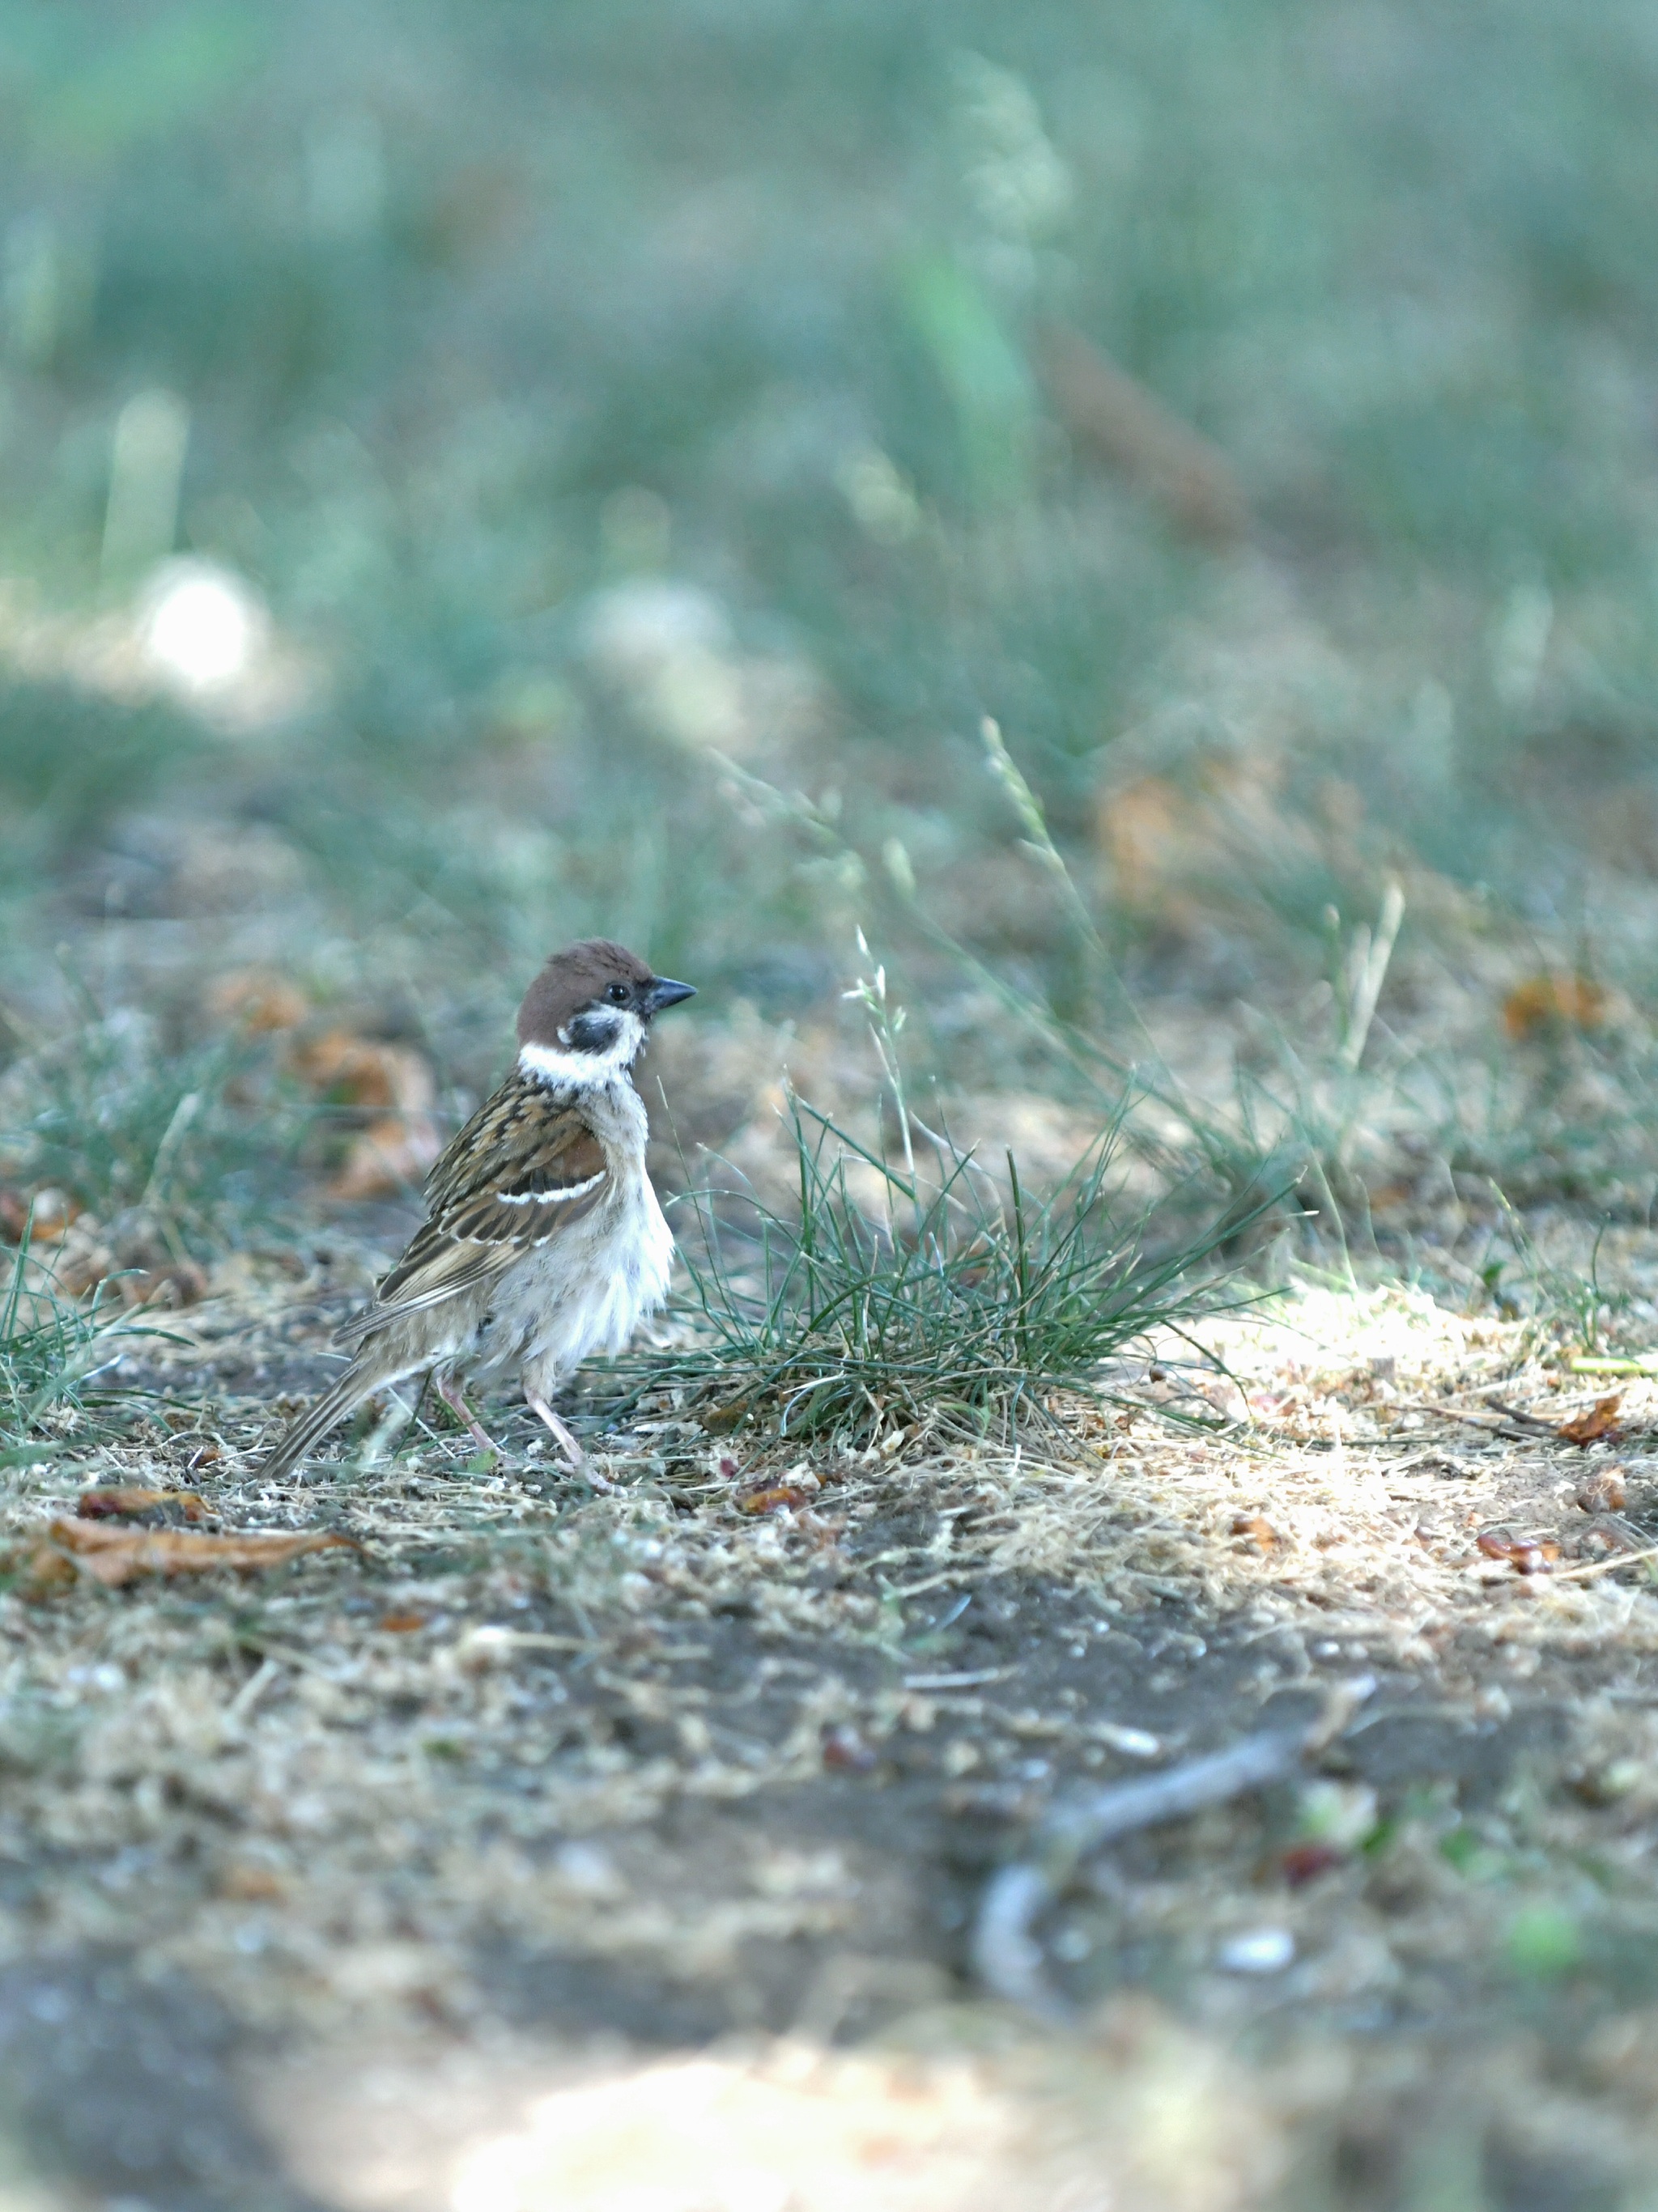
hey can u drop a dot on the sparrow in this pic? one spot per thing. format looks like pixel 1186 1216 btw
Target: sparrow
pixel 543 1240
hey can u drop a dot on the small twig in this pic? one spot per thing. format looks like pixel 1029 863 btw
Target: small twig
pixel 253 1688
pixel 1371 955
pixel 1519 1415
pixel 478 1642
pixel 1007 1956
pixel 172 1137
pixel 1475 1421
pixel 286 1654
pixel 969 1680
pixel 1601 1566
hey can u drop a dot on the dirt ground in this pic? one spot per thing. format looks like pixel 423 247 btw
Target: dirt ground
pixel 548 1846
pixel 1136 522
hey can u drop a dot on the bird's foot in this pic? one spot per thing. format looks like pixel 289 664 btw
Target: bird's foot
pixel 449 1391
pixel 575 1457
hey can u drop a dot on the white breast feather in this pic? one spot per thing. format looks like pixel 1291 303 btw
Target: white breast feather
pixel 588 1290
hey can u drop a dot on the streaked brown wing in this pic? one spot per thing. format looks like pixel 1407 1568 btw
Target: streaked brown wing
pixel 519 1171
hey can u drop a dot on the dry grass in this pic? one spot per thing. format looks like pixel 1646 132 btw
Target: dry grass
pixel 537 1764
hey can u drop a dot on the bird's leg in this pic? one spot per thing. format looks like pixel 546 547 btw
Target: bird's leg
pixel 449 1391
pixel 576 1457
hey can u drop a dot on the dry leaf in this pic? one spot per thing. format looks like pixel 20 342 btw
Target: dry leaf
pixel 387 1159
pixel 251 1885
pixel 1526 1555
pixel 401 1624
pixel 53 1212
pixel 1304 1863
pixel 1542 1003
pixel 258 1000
pixel 777 1497
pixel 1600 1422
pixel 113 1556
pixel 395 1085
pixel 357 1070
pixel 129 1503
pixel 82 1261
pixel 1606 1492
pixel 1255 1529
pixel 1164 840
pixel 845 1752
pixel 1136 435
pixel 180 1283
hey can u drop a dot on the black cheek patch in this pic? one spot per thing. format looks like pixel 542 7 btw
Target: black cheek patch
pixel 594 1031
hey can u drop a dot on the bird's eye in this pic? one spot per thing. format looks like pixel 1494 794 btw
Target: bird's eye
pixel 617 995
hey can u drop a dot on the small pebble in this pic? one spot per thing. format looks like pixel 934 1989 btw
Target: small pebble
pixel 1257 1951
pixel 1129 1742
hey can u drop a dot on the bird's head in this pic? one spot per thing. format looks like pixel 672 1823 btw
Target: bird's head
pixel 586 1015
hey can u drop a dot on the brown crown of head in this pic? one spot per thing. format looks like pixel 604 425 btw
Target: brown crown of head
pixel 584 974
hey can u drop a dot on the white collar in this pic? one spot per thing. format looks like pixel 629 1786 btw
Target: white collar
pixel 584 1071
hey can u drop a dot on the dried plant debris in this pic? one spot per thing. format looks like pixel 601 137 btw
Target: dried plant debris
pixel 1600 1424
pixel 132 1502
pixel 66 1551
pixel 738 1745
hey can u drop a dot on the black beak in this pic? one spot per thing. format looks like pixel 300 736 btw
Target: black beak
pixel 662 993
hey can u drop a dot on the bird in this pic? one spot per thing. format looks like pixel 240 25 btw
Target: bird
pixel 544 1241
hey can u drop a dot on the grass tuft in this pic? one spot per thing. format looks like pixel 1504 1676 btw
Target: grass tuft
pixel 917 1295
pixel 49 1347
pixel 175 1142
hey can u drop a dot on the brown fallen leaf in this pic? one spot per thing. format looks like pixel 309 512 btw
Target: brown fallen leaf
pixel 1386 1195
pixel 1596 1426
pixel 80 1260
pixel 1544 1003
pixel 401 1624
pixel 128 1504
pixel 844 1750
pixel 251 1885
pixel 393 1083
pixel 389 1157
pixel 180 1283
pixel 1304 1863
pixel 1163 839
pixel 1255 1529
pixel 71 1549
pixel 1125 426
pixel 52 1212
pixel 258 1000
pixel 775 1497
pixel 68 1244
pixel 719 1421
pixel 1526 1555
pixel 1605 1492
pixel 357 1070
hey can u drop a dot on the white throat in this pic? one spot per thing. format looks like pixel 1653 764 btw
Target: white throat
pixel 585 1071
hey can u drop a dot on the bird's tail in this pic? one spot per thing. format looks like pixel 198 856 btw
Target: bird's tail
pixel 356 1384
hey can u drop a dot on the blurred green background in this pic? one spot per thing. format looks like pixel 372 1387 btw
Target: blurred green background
pixel 1251 407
